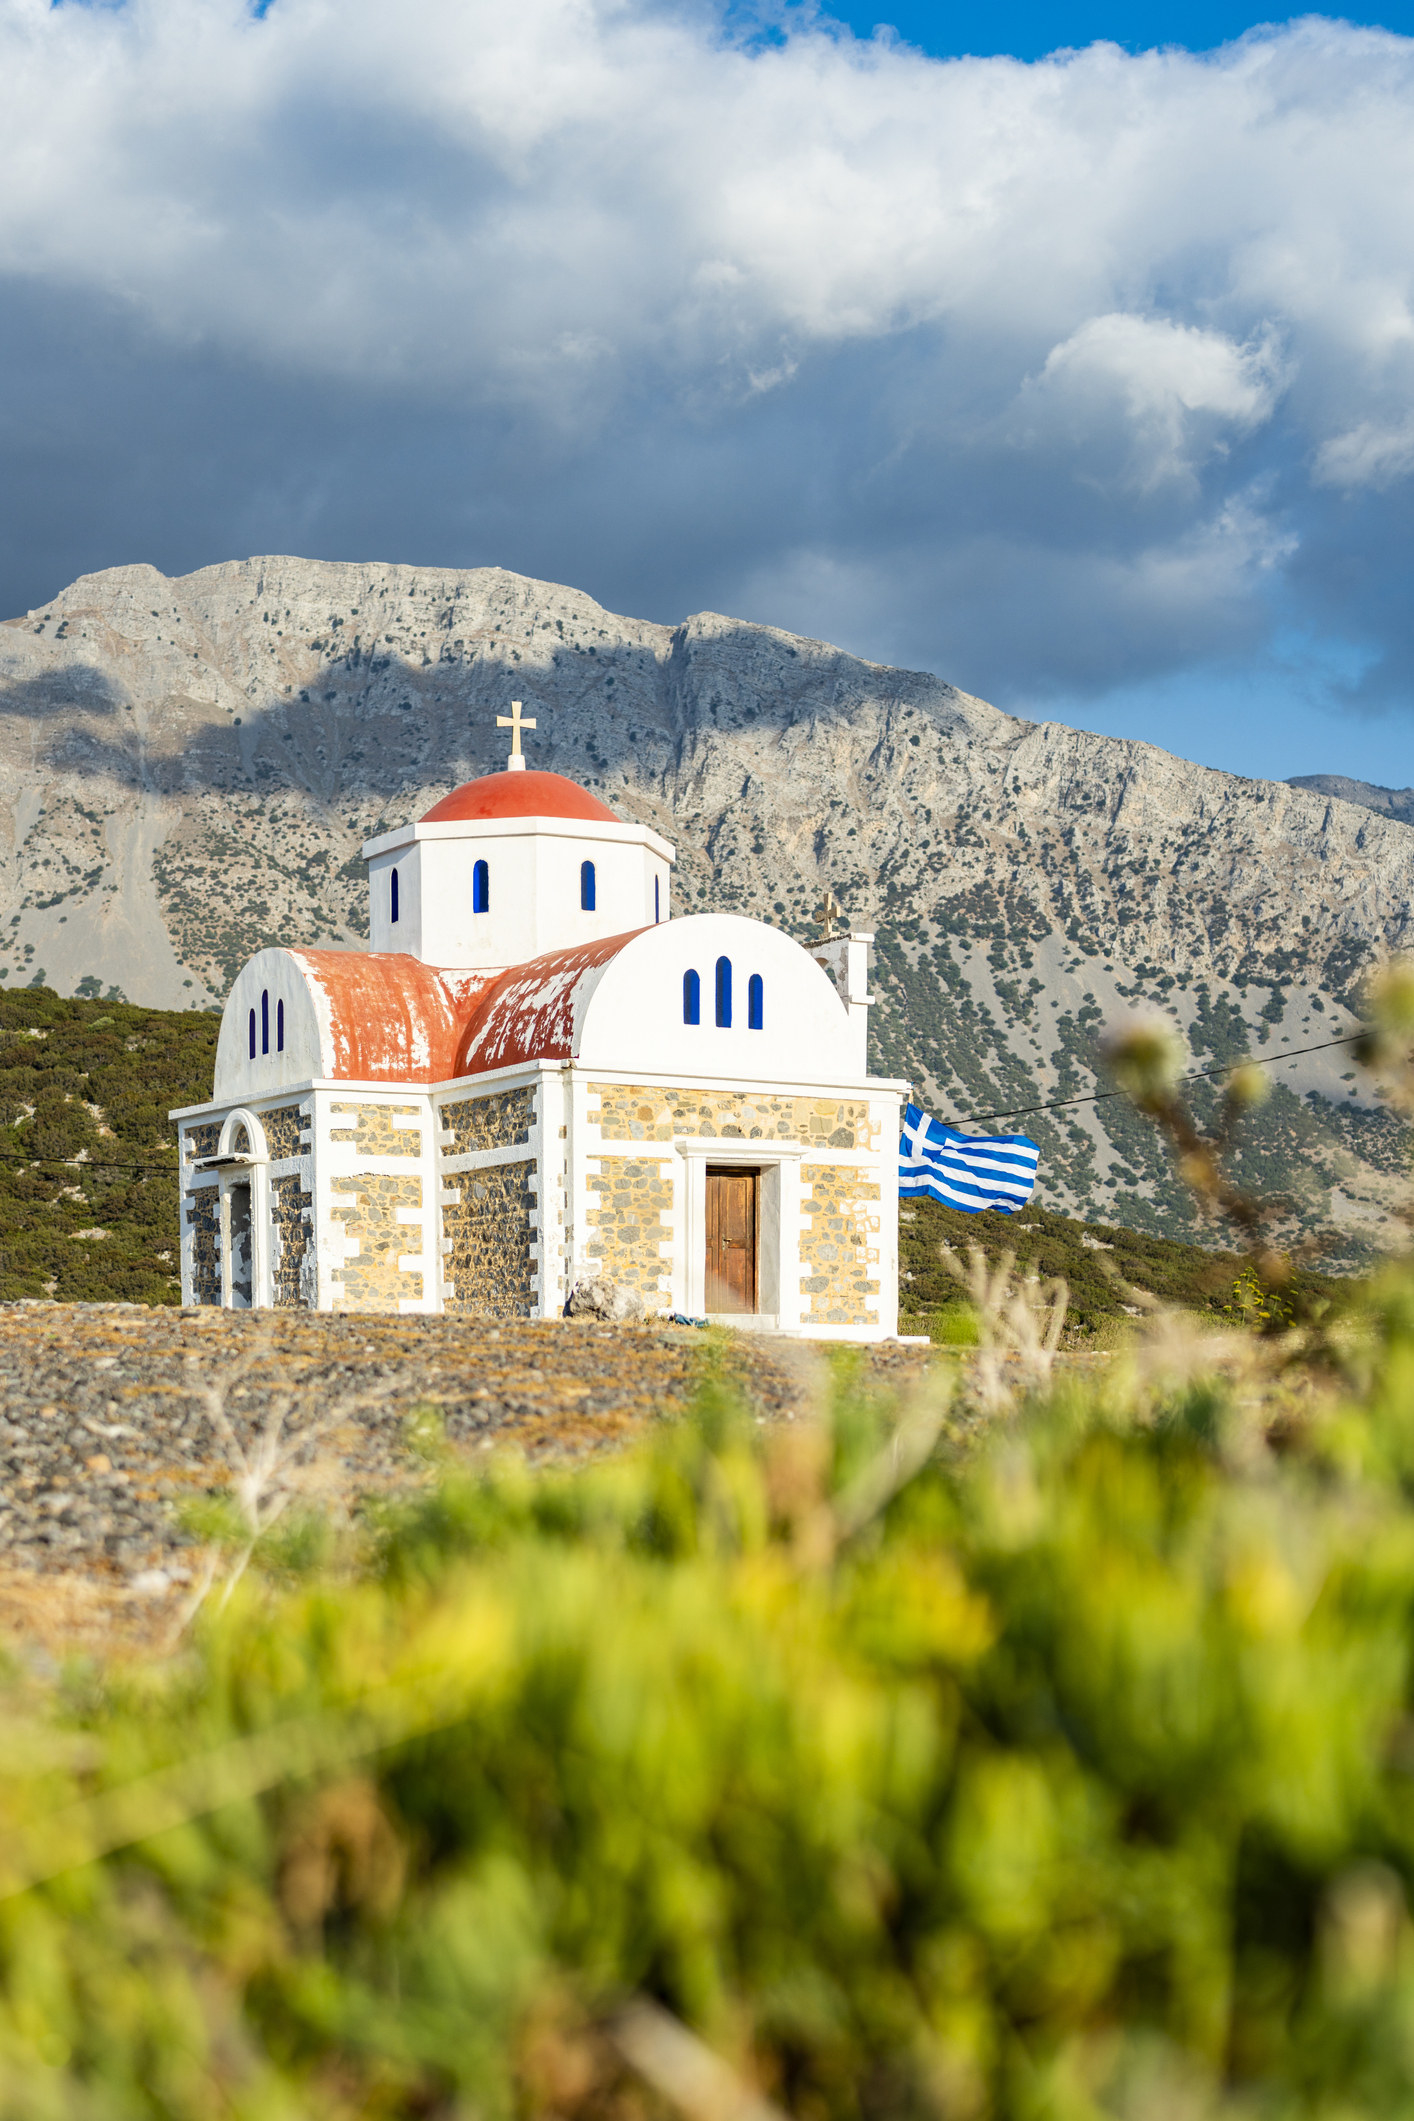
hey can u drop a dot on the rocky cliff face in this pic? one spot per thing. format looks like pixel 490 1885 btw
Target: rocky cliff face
pixel 190 765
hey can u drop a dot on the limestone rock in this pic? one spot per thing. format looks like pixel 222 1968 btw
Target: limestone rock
pixel 611 1301
pixel 188 767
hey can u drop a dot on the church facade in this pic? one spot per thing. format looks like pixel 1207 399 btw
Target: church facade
pixel 537 1076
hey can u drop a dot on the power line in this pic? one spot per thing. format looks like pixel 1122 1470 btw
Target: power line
pixel 968 1119
pixel 79 1163
pixel 1099 1097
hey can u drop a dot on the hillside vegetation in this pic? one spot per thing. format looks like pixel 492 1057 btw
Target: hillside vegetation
pixel 88 1162
pixel 1103 1266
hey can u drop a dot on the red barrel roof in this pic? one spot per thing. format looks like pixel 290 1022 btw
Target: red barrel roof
pixel 390 1018
pixel 528 1014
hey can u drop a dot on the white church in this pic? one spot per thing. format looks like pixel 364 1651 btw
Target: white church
pixel 536 1076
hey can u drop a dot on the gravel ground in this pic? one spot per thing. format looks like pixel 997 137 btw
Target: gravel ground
pixel 112 1415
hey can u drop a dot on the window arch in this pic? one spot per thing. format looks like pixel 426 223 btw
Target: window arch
pixel 724 991
pixel 586 887
pixel 252 1034
pixel 481 889
pixel 691 999
pixel 265 1021
pixel 393 894
pixel 755 1003
pixel 279 1027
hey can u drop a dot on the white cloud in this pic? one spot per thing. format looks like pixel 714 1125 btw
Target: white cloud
pixel 1367 455
pixel 1150 281
pixel 435 189
pixel 1176 391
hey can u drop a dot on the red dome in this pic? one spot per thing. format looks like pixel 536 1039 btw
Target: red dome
pixel 525 794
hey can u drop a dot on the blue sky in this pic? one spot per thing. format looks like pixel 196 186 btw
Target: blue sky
pixel 1021 32
pixel 1086 381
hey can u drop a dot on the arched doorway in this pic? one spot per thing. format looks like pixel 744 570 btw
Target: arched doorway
pixel 245 1214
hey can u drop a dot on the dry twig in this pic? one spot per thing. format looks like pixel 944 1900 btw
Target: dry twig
pixel 1020 1320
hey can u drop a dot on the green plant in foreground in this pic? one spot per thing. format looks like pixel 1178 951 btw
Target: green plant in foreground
pixel 1066 1770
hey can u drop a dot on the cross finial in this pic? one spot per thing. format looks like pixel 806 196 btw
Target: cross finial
pixel 827 913
pixel 515 722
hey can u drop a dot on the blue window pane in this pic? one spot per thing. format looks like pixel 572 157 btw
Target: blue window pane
pixel 252 1034
pixel 265 1021
pixel 691 999
pixel 393 894
pixel 481 889
pixel 586 887
pixel 657 916
pixel 755 1003
pixel 279 1027
pixel 724 991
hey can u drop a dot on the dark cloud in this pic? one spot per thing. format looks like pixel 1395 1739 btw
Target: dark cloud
pixel 1056 378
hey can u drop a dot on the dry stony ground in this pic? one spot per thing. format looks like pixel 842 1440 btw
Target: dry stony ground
pixel 113 1416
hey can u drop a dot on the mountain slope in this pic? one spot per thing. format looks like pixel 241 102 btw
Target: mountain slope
pixel 1391 802
pixel 189 766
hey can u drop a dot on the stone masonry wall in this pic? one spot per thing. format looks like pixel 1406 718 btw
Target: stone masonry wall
pixel 501 1121
pixel 838 1246
pixel 202 1140
pixel 203 1211
pixel 292 1229
pixel 488 1233
pixel 286 1132
pixel 628 1112
pixel 627 1230
pixel 287 1136
pixel 373 1132
pixel 368 1209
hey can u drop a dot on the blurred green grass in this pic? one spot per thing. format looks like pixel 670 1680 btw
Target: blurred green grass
pixel 1072 1775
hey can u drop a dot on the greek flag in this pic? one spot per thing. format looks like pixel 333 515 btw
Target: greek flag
pixel 967 1171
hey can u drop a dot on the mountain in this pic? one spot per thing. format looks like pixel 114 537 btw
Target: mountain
pixel 189 765
pixel 1392 802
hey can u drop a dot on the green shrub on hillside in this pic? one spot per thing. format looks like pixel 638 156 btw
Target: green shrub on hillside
pixel 1069 1777
pixel 1100 1263
pixel 94 1081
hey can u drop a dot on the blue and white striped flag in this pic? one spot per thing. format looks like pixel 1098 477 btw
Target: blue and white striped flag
pixel 967 1171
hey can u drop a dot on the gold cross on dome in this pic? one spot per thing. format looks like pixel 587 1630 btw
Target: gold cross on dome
pixel 828 912
pixel 515 722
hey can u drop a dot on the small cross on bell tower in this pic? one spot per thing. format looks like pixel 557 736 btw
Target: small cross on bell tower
pixel 515 722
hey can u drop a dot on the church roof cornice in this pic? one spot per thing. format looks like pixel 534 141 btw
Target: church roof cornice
pixel 615 832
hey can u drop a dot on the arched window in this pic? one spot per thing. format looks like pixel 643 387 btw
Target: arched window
pixel 393 893
pixel 279 1027
pixel 755 1003
pixel 265 1021
pixel 586 887
pixel 724 991
pixel 691 1000
pixel 481 889
pixel 252 1034
pixel 657 916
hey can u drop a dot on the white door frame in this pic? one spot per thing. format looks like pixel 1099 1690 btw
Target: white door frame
pixel 253 1169
pixel 778 1257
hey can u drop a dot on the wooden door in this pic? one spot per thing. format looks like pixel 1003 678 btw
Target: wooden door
pixel 733 1199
